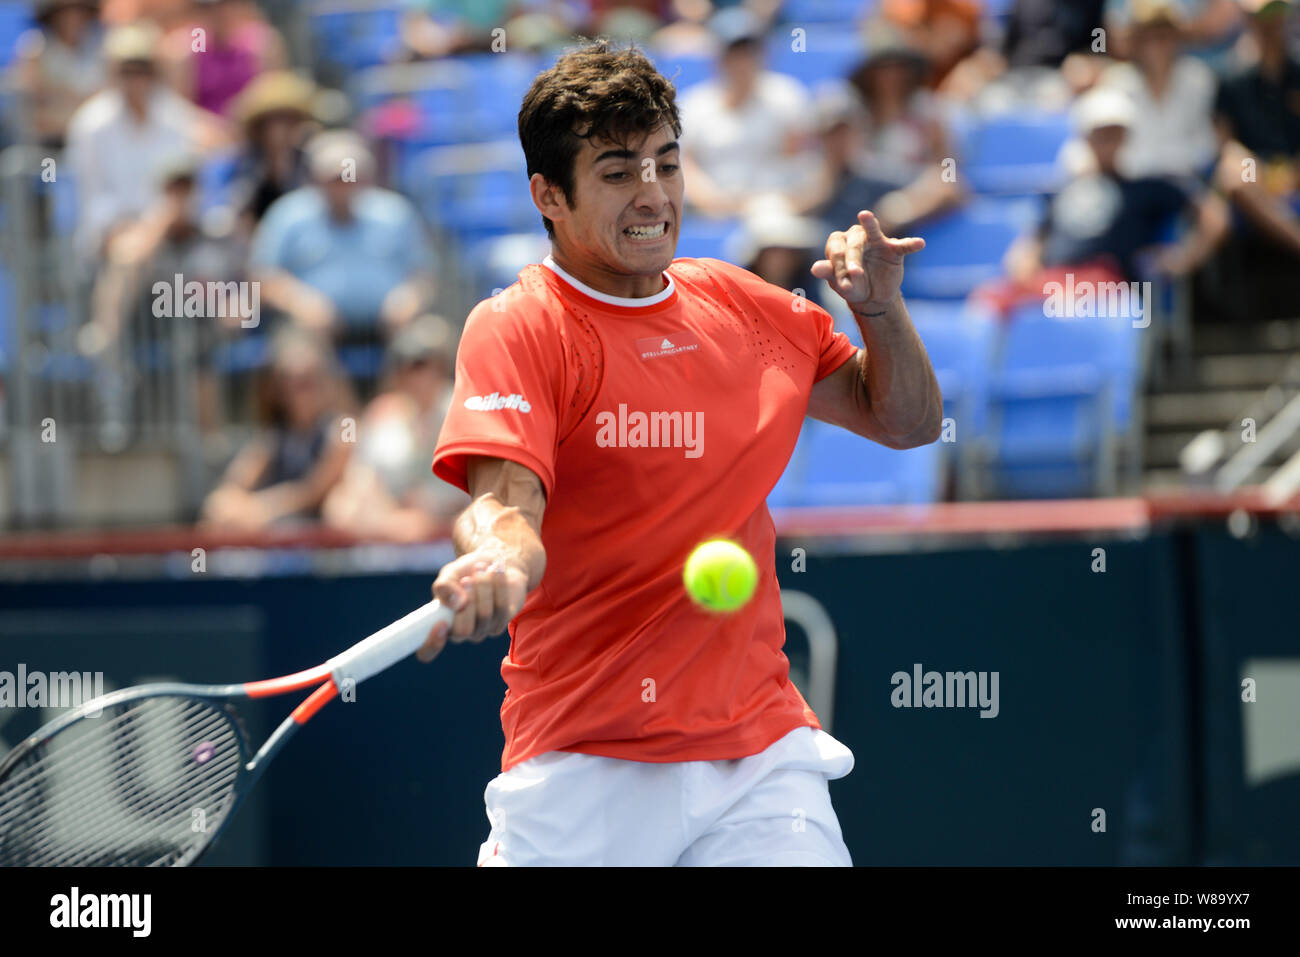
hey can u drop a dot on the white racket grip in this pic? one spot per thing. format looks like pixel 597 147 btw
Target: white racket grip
pixel 388 645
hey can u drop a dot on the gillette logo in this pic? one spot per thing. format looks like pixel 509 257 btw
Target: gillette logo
pixel 496 401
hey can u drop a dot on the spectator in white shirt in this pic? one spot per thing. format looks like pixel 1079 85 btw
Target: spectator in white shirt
pixel 1172 92
pixel 58 67
pixel 749 131
pixel 120 139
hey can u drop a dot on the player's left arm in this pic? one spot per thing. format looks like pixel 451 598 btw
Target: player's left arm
pixel 888 391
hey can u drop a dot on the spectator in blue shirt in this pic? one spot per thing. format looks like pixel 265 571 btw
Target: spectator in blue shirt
pixel 342 257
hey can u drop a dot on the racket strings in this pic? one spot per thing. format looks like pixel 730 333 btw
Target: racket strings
pixel 86 807
pixel 122 788
pixel 95 815
pixel 99 817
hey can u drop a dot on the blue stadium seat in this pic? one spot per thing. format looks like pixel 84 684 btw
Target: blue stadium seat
pixel 827 53
pixel 242 355
pixel 362 362
pixel 216 177
pixel 475 190
pixel 1013 154
pixel 685 72
pixel 496 261
pixel 703 238
pixel 961 343
pixel 15 20
pixel 357 36
pixel 837 467
pixel 965 247
pixel 795 12
pixel 1056 400
pixel 786 492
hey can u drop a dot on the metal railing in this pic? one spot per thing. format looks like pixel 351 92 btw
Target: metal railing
pixel 65 399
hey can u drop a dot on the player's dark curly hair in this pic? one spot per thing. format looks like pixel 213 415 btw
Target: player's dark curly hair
pixel 597 91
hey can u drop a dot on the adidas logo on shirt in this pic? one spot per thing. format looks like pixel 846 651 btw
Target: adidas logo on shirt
pixel 682 341
pixel 496 401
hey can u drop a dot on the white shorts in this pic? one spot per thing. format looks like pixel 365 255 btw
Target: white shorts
pixel 772 808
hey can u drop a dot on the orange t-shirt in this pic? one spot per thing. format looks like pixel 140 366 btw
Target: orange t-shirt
pixel 654 424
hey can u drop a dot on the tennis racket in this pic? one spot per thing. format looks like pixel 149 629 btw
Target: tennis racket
pixel 151 775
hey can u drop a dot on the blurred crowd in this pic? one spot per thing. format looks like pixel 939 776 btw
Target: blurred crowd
pixel 1182 109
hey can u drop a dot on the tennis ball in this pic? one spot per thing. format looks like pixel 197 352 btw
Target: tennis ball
pixel 720 575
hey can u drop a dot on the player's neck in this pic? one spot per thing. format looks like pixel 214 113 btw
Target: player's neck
pixel 611 284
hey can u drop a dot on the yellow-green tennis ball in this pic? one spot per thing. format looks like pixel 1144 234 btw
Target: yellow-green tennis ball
pixel 720 575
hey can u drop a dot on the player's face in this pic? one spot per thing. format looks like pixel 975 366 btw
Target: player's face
pixel 627 203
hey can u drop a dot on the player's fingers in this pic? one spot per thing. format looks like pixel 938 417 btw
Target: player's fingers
pixel 447 589
pixel 857 240
pixel 907 245
pixel 871 226
pixel 434 644
pixel 500 597
pixel 822 269
pixel 468 618
pixel 836 247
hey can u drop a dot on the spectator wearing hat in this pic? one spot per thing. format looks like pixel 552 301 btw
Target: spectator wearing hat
pixel 388 491
pixel 748 131
pixel 686 30
pixel 59 66
pixel 1097 224
pixel 945 31
pixel 298 454
pixel 901 139
pixel 1257 112
pixel 1209 27
pixel 277 115
pixel 220 51
pixel 119 139
pixel 779 245
pixel 170 239
pixel 341 256
pixel 1171 91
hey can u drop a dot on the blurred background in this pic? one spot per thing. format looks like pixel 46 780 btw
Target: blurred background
pixel 221 483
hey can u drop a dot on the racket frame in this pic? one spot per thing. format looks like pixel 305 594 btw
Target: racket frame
pixel 365 659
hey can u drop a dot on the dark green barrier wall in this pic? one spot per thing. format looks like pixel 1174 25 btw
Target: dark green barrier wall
pixel 1117 691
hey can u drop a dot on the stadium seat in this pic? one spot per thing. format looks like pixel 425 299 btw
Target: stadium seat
pixel 965 247
pixel 824 53
pixel 475 191
pixel 794 12
pixel 242 355
pixel 684 72
pixel 355 36
pixel 1055 399
pixel 961 343
pixel 15 20
pixel 1013 154
pixel 703 238
pixel 837 467
pixel 496 261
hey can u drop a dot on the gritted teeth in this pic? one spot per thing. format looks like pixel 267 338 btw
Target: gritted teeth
pixel 647 232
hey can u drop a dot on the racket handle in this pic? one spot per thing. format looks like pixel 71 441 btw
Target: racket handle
pixel 388 645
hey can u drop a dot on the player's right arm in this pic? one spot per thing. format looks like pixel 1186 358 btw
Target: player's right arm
pixel 498 541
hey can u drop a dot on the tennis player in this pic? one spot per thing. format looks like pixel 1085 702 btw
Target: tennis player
pixel 614 408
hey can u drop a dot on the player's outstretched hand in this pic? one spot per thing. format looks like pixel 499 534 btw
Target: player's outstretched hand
pixel 863 265
pixel 485 589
